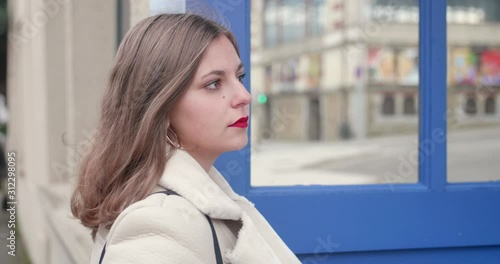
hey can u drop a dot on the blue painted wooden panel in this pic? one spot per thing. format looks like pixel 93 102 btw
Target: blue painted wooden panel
pixel 468 255
pixel 380 219
pixel 432 72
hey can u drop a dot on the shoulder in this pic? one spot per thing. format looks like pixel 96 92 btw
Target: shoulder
pixel 160 226
pixel 157 210
pixel 158 214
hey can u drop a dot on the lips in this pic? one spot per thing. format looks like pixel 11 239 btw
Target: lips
pixel 241 123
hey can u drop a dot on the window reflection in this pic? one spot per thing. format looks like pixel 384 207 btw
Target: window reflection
pixel 473 90
pixel 336 86
pixel 333 81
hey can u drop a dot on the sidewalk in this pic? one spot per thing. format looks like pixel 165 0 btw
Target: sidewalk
pixel 471 157
pixel 294 163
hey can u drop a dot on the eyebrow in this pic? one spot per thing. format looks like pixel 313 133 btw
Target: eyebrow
pixel 221 72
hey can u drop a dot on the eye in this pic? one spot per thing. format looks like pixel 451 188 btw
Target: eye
pixel 213 85
pixel 240 78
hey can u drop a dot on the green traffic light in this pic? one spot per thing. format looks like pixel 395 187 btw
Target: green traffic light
pixel 262 99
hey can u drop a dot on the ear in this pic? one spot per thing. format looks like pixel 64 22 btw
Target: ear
pixel 168 126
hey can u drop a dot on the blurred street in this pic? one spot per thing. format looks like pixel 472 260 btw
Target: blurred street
pixel 471 157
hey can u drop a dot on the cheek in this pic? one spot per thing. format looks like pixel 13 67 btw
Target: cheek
pixel 200 126
pixel 211 122
pixel 205 119
pixel 202 116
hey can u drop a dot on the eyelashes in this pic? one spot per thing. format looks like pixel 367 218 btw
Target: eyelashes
pixel 214 85
pixel 241 77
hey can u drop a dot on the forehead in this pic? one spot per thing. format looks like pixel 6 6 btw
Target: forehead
pixel 220 53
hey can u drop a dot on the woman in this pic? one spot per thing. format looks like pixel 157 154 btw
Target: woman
pixel 175 102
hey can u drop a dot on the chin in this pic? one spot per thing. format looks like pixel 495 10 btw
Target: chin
pixel 240 144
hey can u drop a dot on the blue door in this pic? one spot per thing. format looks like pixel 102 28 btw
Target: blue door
pixel 432 219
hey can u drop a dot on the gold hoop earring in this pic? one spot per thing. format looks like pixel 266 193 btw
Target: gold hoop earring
pixel 178 145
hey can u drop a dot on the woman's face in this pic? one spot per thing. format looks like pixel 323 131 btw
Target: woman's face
pixel 204 118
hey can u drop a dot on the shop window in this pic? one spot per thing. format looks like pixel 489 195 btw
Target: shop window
pixel 409 106
pixel 489 106
pixel 471 105
pixel 388 107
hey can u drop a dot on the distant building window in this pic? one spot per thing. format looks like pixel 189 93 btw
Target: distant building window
pixel 473 12
pixel 287 21
pixel 294 20
pixel 269 79
pixel 471 105
pixel 388 107
pixel 272 17
pixel 489 106
pixel 315 18
pixel 458 11
pixel 395 11
pixel 409 106
pixel 288 74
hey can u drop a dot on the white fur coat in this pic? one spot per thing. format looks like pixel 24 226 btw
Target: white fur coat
pixel 174 229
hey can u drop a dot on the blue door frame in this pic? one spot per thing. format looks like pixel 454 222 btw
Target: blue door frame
pixel 431 221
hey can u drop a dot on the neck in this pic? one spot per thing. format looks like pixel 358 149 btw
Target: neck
pixel 205 160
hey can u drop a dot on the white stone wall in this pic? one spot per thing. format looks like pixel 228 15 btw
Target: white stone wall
pixel 60 54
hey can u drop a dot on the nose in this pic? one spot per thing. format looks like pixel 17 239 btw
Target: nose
pixel 242 96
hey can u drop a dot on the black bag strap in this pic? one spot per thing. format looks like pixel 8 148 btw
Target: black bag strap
pixel 218 255
pixel 102 253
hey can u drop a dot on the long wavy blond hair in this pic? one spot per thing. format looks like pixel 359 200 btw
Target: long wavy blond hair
pixel 154 67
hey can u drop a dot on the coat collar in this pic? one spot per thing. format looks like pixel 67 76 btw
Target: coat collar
pixel 213 196
pixel 209 192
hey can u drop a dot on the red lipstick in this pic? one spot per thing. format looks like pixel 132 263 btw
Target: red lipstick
pixel 241 123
